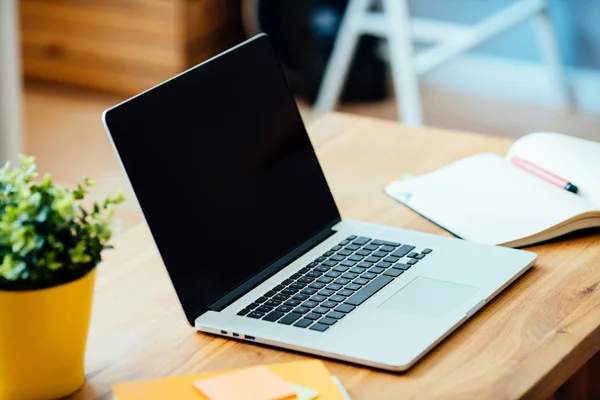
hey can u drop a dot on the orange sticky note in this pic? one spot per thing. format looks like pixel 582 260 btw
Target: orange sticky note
pixel 256 383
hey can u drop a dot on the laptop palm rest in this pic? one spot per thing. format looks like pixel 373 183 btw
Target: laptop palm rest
pixel 429 298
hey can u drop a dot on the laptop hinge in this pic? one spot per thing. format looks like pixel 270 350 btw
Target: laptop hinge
pixel 271 270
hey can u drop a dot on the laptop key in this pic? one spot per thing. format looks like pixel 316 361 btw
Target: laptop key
pixel 337 298
pixel 326 292
pixel 273 316
pixel 403 250
pixel 336 248
pixel 401 266
pixel 304 270
pixel 309 291
pixel 303 323
pixel 318 327
pixel 393 272
pixel 344 253
pixel 284 308
pixel 336 315
pixel 362 253
pixel 298 285
pixel 358 270
pixel 345 308
pixel 327 254
pixel 362 240
pixel 369 290
pixel 355 258
pixel 321 310
pixel 343 242
pixel 334 286
pixel 278 288
pixel 302 310
pixel 324 279
pixel 300 296
pixel 391 259
pixel 376 270
pixel 377 242
pixel 292 303
pixel 243 312
pixel 281 297
pixel 330 304
pixel 360 281
pixel 327 321
pixel 426 251
pixel 322 268
pixel 310 304
pixel 412 255
pixel 337 258
pixel 252 306
pixel 349 275
pixel 351 237
pixel 289 319
pixel 354 286
pixel 272 303
pixel 264 309
pixel 383 264
pixel 372 259
pixel 306 279
pixel 368 275
pixel 314 274
pixel 345 292
pixel 256 315
pixel 295 276
pixel 412 262
pixel 387 249
pixel 270 293
pixel 316 285
pixel 348 263
pixel 313 316
pixel 419 256
pixel 352 247
pixel 393 244
pixel 320 259
pixel 318 298
pixel 379 254
pixel 287 282
pixel 365 264
pixel 289 290
pixel 327 263
pixel 341 268
pixel 261 299
pixel 332 274
pixel 370 247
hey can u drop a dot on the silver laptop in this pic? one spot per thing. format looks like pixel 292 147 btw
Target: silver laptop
pixel 252 239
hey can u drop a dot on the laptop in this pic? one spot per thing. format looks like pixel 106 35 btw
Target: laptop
pixel 251 236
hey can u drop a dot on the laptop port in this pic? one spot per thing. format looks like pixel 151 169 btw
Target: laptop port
pixel 224 332
pixel 249 337
pixel 236 334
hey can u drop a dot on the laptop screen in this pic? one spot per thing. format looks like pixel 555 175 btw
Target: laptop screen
pixel 224 171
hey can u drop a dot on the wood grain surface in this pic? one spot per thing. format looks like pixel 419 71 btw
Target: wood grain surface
pixel 526 343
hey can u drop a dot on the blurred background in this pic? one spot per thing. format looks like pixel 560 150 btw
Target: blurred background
pixel 79 57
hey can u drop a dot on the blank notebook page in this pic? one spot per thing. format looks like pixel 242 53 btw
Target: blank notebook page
pixel 486 199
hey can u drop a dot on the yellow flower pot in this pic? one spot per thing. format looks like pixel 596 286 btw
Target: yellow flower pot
pixel 43 334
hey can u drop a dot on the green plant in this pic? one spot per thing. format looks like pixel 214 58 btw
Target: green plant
pixel 47 237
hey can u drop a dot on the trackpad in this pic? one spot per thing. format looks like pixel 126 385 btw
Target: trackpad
pixel 429 298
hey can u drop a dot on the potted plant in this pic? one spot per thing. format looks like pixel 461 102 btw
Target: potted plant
pixel 49 249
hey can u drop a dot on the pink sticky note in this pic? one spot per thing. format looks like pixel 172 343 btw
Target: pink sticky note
pixel 256 383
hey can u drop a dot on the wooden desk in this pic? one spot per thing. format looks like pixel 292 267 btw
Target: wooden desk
pixel 526 343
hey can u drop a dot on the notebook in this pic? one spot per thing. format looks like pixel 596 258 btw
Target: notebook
pixel 488 199
pixel 310 374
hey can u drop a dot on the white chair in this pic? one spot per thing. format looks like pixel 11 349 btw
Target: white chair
pixel 393 22
pixel 10 83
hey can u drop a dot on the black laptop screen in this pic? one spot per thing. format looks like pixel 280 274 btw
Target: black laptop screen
pixel 224 171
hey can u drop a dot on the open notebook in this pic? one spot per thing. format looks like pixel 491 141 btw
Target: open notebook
pixel 487 199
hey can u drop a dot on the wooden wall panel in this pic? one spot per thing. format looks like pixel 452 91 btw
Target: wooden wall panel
pixel 124 46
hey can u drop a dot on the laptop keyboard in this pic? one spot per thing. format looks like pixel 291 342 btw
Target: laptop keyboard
pixel 333 285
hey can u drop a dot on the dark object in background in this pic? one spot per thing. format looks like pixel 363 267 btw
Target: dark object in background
pixel 303 33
